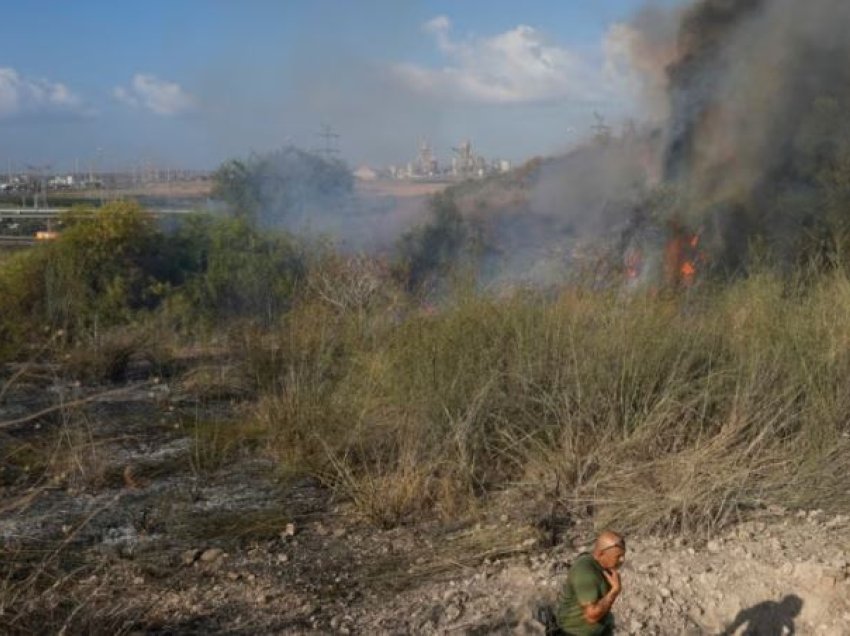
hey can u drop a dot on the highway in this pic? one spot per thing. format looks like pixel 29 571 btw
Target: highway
pixel 55 213
pixel 16 241
pixel 9 239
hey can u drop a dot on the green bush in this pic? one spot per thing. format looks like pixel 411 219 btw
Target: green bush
pixel 113 267
pixel 429 252
pixel 232 270
pixel 104 267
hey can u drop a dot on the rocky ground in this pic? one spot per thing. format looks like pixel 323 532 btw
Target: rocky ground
pixel 170 548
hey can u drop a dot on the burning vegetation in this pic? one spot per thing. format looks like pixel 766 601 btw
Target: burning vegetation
pixel 755 143
pixel 750 147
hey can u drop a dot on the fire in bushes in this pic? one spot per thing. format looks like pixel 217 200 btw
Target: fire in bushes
pixel 673 259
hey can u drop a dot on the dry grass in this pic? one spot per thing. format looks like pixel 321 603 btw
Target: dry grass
pixel 114 355
pixel 674 413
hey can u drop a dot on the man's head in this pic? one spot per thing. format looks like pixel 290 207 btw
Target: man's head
pixel 610 550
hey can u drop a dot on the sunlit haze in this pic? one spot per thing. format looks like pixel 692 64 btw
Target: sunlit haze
pixel 190 84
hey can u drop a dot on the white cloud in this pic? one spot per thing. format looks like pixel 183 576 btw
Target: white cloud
pixel 516 66
pixel 22 96
pixel 156 95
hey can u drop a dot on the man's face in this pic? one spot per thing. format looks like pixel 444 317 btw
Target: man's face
pixel 612 558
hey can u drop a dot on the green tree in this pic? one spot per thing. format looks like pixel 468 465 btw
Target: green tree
pixel 236 270
pixel 434 248
pixel 272 189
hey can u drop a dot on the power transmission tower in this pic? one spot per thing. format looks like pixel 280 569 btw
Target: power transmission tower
pixel 330 138
pixel 601 130
pixel 41 173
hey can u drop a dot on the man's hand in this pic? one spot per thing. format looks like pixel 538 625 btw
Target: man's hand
pixel 613 578
pixel 595 612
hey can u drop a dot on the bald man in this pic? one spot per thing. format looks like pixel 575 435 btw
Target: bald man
pixel 592 586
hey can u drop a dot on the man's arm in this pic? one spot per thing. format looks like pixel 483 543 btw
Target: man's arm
pixel 595 612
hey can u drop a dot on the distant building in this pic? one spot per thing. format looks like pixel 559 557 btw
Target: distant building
pixel 465 164
pixel 61 182
pixel 365 173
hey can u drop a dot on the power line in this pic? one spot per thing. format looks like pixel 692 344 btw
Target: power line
pixel 331 141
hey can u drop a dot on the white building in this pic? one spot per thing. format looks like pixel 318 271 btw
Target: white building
pixel 365 173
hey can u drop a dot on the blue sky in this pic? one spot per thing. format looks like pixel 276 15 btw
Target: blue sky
pixel 189 83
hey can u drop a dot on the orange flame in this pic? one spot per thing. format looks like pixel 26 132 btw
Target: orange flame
pixel 633 262
pixel 681 257
pixel 688 271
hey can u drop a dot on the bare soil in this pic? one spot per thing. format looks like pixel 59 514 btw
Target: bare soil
pixel 400 188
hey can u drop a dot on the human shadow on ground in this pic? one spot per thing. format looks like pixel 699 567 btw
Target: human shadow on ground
pixel 769 618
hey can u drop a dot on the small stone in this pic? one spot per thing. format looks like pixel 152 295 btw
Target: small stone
pixel 282 558
pixel 211 554
pixel 233 576
pixel 288 531
pixel 454 612
pixel 695 613
pixel 190 556
pixel 714 546
pixel 665 593
pixel 828 581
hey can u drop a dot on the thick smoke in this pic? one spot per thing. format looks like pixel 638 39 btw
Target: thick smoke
pixel 750 100
pixel 756 129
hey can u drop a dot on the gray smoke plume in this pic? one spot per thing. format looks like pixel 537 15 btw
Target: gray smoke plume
pixel 310 194
pixel 756 139
pixel 751 98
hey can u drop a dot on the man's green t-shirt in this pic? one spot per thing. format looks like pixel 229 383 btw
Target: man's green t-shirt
pixel 585 584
